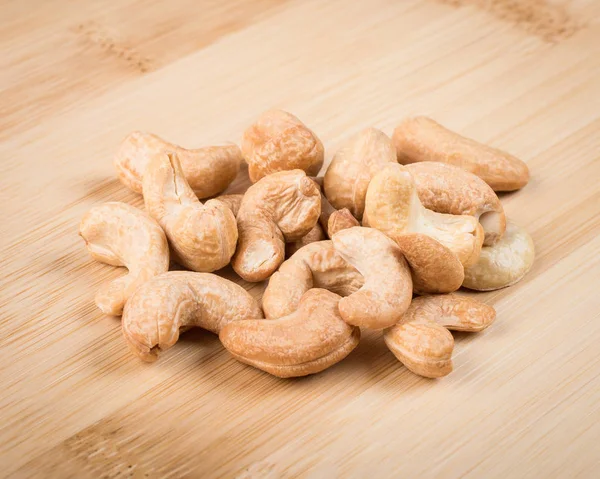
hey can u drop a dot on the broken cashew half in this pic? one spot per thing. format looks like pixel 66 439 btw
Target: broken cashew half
pixel 179 300
pixel 121 235
pixel 504 263
pixel 208 170
pixel 422 340
pixel 203 237
pixel 393 206
pixel 307 341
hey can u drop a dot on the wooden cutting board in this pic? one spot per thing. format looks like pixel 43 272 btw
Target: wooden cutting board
pixel 76 77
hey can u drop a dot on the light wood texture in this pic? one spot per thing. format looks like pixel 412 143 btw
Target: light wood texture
pixel 76 77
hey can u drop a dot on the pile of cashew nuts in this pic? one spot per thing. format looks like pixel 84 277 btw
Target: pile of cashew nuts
pixel 431 223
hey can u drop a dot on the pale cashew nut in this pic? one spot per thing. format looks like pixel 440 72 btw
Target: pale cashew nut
pixel 279 141
pixel 387 291
pixel 421 340
pixel 208 170
pixel 422 139
pixel 280 207
pixel 448 189
pixel 121 235
pixel 179 300
pixel 353 166
pixel 504 263
pixel 393 206
pixel 203 237
pixel 316 265
pixel 307 341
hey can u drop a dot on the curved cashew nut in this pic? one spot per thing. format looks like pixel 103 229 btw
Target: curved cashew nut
pixel 203 237
pixel 434 268
pixel 422 139
pixel 121 235
pixel 316 265
pixel 353 166
pixel 176 301
pixel 387 291
pixel 393 206
pixel 421 340
pixel 309 340
pixel 279 141
pixel 504 263
pixel 208 170
pixel 281 207
pixel 448 189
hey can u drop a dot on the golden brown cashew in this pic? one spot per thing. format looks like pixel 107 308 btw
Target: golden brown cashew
pixel 422 139
pixel 449 189
pixel 121 235
pixel 393 206
pixel 279 141
pixel 421 340
pixel 353 166
pixel 316 265
pixel 208 170
pixel 281 207
pixel 203 237
pixel 504 263
pixel 307 341
pixel 179 300
pixel 387 291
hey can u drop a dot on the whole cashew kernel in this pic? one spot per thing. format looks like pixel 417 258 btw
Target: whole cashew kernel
pixel 393 206
pixel 316 265
pixel 387 291
pixel 279 141
pixel 280 207
pixel 422 139
pixel 448 189
pixel 176 301
pixel 121 235
pixel 421 340
pixel 307 341
pixel 208 170
pixel 504 263
pixel 203 237
pixel 353 166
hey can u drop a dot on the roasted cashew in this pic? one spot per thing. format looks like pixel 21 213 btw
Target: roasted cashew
pixel 176 301
pixel 421 340
pixel 203 237
pixel 121 235
pixel 307 341
pixel 208 170
pixel 504 263
pixel 387 291
pixel 280 207
pixel 393 206
pixel 422 139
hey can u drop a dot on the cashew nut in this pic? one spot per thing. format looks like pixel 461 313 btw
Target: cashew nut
pixel 280 207
pixel 504 263
pixel 121 235
pixel 422 139
pixel 208 170
pixel 307 341
pixel 314 235
pixel 232 202
pixel 393 206
pixel 421 340
pixel 448 189
pixel 316 265
pixel 179 300
pixel 353 166
pixel 279 141
pixel 387 291
pixel 203 237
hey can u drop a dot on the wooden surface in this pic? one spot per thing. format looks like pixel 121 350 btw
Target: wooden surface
pixel 76 77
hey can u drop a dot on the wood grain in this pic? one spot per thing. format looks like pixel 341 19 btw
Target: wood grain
pixel 76 77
